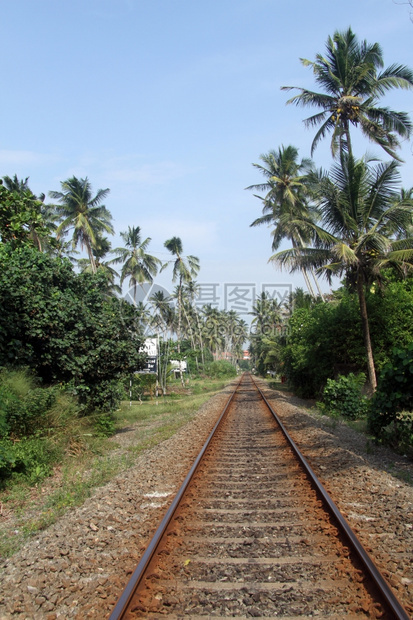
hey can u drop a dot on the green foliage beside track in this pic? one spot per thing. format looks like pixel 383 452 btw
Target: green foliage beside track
pixel 325 340
pixel 62 325
pixel 343 396
pixel 391 411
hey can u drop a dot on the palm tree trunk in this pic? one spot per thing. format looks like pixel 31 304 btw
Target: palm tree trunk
pixel 191 334
pixel 317 284
pixel 308 283
pixel 301 244
pixel 179 328
pixel 91 257
pixel 200 338
pixel 348 139
pixel 366 331
pixel 179 314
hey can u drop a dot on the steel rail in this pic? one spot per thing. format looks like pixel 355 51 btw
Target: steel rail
pixel 127 594
pixel 389 598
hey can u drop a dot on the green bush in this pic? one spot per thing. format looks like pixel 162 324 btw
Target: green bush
pixel 393 396
pixel 343 396
pixel 65 327
pixel 23 405
pixel 104 396
pixel 327 339
pixel 31 458
pixel 36 426
pixel 220 369
pixel 26 416
pixel 322 341
pixel 7 458
pixel 104 424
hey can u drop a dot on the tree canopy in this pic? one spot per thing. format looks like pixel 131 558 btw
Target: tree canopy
pixel 352 85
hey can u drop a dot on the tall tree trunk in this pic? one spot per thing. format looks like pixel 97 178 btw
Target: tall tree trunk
pixel 191 334
pixel 179 314
pixel 300 244
pixel 200 337
pixel 308 283
pixel 91 257
pixel 366 330
pixel 346 132
pixel 179 328
pixel 317 284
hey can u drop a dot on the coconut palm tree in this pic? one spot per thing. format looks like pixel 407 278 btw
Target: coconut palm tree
pixel 364 230
pixel 287 199
pixel 140 266
pixel 46 212
pixel 184 269
pixel 15 184
pixel 267 314
pixel 213 333
pixel 300 299
pixel 100 251
pixel 406 195
pixel 236 333
pixel 84 213
pixel 163 317
pixel 352 85
pixel 191 291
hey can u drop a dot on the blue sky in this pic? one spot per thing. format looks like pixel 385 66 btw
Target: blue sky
pixel 169 102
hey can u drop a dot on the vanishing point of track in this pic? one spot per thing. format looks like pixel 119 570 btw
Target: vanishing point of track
pixel 253 533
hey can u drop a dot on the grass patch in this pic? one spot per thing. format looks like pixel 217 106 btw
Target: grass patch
pixel 89 462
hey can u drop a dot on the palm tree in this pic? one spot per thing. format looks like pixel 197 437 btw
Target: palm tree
pixel 212 329
pixel 406 195
pixel 266 313
pixel 163 320
pixel 46 212
pixel 84 213
pixel 184 269
pixel 140 266
pixel 300 299
pixel 365 222
pixel 100 251
pixel 15 184
pixel 352 86
pixel 236 333
pixel 163 317
pixel 286 203
pixel 191 291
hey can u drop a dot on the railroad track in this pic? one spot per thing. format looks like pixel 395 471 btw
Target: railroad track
pixel 252 533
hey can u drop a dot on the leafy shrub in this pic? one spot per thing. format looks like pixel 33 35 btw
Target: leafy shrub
pixel 104 396
pixel 65 327
pixel 104 425
pixel 327 338
pixel 404 430
pixel 7 458
pixel 220 369
pixel 23 405
pixel 322 341
pixel 394 395
pixel 30 458
pixel 343 396
pixel 26 416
